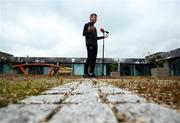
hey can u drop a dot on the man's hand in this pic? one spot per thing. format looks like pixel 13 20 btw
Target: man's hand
pixel 90 28
pixel 107 35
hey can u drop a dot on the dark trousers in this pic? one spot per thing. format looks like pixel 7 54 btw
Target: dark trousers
pixel 91 59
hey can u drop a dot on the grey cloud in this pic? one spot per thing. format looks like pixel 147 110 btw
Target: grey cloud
pixel 136 27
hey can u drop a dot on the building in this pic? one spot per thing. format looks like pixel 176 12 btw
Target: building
pixel 173 58
pixel 172 61
pixel 134 67
pixel 76 63
pixel 126 66
pixel 4 62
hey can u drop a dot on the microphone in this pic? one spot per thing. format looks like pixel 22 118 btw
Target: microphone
pixel 103 31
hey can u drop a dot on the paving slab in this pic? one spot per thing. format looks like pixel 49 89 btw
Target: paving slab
pixel 148 113
pixel 99 83
pixel 43 99
pixel 25 113
pixel 87 101
pixel 63 89
pixel 60 90
pixel 71 85
pixel 109 89
pixel 85 87
pixel 83 98
pixel 125 98
pixel 85 113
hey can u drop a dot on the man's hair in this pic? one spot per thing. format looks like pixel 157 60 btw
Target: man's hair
pixel 93 14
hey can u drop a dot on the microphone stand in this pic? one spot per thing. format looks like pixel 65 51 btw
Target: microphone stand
pixel 103 56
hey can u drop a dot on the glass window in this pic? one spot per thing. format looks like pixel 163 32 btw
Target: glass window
pixel 140 70
pixel 176 66
pixel 1 68
pixel 36 70
pixel 126 70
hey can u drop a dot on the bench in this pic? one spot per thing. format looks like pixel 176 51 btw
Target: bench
pixel 65 71
pixel 53 68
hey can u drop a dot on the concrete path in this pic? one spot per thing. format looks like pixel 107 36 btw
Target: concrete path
pixel 86 101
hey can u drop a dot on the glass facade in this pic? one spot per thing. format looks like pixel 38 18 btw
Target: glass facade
pixel 142 70
pixel 1 68
pixel 98 69
pixel 134 70
pixel 78 69
pixel 35 70
pixel 46 70
pixel 175 67
pixel 6 68
pixel 126 70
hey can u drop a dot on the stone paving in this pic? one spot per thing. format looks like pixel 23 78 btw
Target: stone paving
pixel 86 101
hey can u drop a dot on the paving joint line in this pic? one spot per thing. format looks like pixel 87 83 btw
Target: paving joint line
pixel 58 108
pixel 120 117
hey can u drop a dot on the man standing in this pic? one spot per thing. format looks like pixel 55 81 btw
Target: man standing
pixel 91 37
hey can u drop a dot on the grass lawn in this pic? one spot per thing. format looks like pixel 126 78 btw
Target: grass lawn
pixel 13 88
pixel 164 91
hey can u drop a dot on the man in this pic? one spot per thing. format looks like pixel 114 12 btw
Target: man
pixel 90 34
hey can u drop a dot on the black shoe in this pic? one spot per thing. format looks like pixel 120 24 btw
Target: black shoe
pixel 92 75
pixel 86 76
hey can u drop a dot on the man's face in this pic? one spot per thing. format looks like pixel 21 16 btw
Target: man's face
pixel 93 19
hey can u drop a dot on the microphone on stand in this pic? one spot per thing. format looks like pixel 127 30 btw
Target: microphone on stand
pixel 103 31
pixel 104 35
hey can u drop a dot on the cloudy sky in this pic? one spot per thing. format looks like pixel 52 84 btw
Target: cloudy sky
pixel 54 27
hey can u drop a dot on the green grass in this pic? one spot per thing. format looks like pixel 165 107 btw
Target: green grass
pixel 13 89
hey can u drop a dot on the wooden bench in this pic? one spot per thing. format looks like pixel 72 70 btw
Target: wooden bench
pixel 65 71
pixel 53 68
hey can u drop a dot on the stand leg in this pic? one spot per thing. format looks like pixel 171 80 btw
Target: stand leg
pixel 103 58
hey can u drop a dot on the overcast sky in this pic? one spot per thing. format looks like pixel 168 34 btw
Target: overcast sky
pixel 53 28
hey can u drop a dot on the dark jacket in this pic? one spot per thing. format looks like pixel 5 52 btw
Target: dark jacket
pixel 91 37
